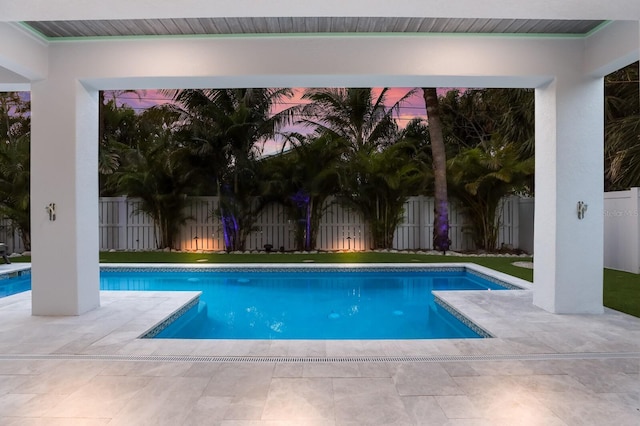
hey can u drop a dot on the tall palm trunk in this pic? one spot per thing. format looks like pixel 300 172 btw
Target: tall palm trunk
pixel 441 240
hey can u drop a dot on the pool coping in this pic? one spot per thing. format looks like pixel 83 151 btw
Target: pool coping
pixel 113 329
pixel 14 270
pixel 512 283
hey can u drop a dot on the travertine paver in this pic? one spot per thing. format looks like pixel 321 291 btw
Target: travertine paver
pixel 557 370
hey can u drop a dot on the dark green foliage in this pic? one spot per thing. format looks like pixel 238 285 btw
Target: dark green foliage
pixel 377 184
pixel 477 115
pixel 490 136
pixel 157 171
pixel 376 175
pixel 480 177
pixel 357 115
pixel 302 179
pixel 622 129
pixel 227 128
pixel 118 130
pixel 417 147
pixel 15 137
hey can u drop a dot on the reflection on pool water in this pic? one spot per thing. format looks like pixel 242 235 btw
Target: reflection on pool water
pixel 318 304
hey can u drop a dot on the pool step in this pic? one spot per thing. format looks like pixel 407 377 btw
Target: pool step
pixel 194 318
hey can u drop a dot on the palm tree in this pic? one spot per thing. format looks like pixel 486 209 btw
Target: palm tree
pixel 377 185
pixel 357 115
pixel 118 131
pixel 441 241
pixel 15 164
pixel 475 115
pixel 361 118
pixel 158 172
pixel 233 122
pixel 302 179
pixel 622 128
pixel 14 186
pixel 481 176
pixel 489 137
pixel 415 137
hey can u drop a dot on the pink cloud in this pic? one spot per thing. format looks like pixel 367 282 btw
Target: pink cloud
pixel 143 99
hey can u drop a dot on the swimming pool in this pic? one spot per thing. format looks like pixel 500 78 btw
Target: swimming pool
pixel 298 303
pixel 307 303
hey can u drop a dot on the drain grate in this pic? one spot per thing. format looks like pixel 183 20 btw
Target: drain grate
pixel 320 360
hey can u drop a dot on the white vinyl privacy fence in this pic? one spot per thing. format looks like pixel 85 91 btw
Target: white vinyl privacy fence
pixel 622 230
pixel 10 237
pixel 124 227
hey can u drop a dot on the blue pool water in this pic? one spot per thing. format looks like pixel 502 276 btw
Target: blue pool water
pixel 319 304
pixel 15 285
pixel 310 305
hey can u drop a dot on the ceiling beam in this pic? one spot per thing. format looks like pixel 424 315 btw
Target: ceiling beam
pixel 22 55
pixel 613 47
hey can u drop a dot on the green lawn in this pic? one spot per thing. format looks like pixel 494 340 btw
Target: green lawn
pixel 621 289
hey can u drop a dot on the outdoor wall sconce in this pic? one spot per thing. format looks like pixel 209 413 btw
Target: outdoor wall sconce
pixel 51 209
pixel 582 208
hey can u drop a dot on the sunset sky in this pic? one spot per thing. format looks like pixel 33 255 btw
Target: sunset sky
pixel 413 107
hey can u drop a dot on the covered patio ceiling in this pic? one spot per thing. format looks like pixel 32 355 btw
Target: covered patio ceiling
pixel 63 19
pixel 307 25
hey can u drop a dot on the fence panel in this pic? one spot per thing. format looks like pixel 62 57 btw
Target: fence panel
pixel 140 229
pixel 203 230
pixel 10 237
pixel 111 222
pixel 342 229
pixel 460 231
pixel 272 228
pixel 427 215
pixel 622 230
pixel 508 223
pixel 526 208
pixel 124 227
pixel 408 232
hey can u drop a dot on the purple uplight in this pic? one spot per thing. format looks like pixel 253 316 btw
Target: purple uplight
pixel 441 241
pixel 302 200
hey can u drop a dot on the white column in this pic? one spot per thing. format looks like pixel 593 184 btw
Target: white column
pixel 568 251
pixel 64 172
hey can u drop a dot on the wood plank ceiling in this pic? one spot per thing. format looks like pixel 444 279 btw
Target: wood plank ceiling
pixel 288 25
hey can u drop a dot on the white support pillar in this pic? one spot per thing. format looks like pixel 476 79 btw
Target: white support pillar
pixel 64 172
pixel 568 251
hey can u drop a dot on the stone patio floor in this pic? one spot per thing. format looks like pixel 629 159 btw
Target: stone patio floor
pixel 539 369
